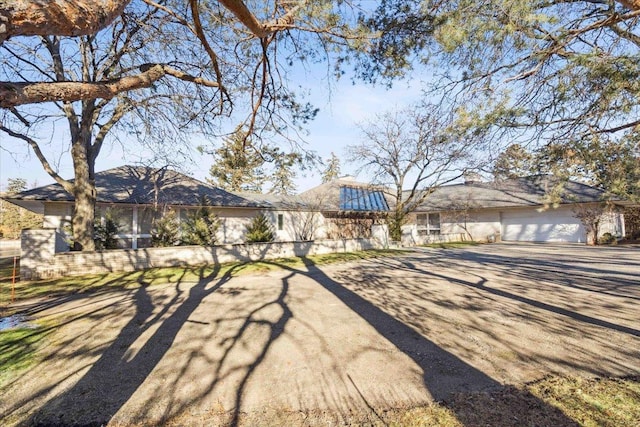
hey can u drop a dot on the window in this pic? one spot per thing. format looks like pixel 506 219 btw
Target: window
pixel 428 224
pixel 124 218
pixel 434 221
pixel 145 220
pixel 280 221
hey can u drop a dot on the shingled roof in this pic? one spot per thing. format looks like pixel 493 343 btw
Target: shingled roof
pixel 529 191
pixel 143 185
pixel 274 201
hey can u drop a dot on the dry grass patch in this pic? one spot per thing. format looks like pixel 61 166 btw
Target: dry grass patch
pixel 593 402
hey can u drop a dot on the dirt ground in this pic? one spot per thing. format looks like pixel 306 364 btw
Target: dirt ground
pixel 333 345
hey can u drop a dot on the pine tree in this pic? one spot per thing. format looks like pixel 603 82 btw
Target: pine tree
pixel 13 218
pixel 514 162
pixel 237 165
pixel 283 177
pixel 201 226
pixel 166 230
pixel 332 171
pixel 260 230
pixel 106 232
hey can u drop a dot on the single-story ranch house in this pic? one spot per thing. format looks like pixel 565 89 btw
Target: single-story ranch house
pixel 511 210
pixel 517 210
pixel 135 194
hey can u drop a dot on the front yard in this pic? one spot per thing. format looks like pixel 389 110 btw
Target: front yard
pixel 482 335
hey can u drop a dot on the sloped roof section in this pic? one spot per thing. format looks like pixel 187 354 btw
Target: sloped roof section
pixel 346 195
pixel 535 190
pixel 362 199
pixel 144 185
pixel 274 201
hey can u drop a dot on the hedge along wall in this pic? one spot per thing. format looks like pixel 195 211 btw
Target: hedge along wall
pixel 42 256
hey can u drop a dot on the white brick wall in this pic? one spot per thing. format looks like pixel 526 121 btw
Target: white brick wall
pixel 39 259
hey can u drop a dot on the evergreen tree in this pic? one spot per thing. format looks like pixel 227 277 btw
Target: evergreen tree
pixel 201 226
pixel 16 185
pixel 13 218
pixel 514 162
pixel 260 230
pixel 540 70
pixel 166 230
pixel 284 174
pixel 106 232
pixel 332 171
pixel 237 165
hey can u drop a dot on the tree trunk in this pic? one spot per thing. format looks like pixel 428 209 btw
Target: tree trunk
pixel 84 192
pixel 395 226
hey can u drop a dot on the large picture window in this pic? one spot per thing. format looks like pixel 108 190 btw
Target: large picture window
pixel 428 224
pixel 134 223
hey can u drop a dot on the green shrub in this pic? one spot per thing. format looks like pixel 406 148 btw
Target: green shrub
pixel 166 230
pixel 260 230
pixel 201 226
pixel 106 232
pixel 607 239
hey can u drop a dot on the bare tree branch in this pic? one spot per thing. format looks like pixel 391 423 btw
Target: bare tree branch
pixel 13 94
pixel 630 4
pixel 45 163
pixel 205 43
pixel 244 15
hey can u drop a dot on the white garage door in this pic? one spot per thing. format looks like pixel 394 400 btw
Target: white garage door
pixel 552 225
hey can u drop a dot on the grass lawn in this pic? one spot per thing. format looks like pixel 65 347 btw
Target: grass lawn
pixel 25 290
pixel 596 402
pixel 19 349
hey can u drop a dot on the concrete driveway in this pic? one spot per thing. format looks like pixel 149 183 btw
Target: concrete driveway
pixel 341 342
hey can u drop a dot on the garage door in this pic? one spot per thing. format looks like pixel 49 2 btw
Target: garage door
pixel 553 225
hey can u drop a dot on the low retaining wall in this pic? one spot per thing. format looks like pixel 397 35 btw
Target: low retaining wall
pixel 40 259
pixel 409 240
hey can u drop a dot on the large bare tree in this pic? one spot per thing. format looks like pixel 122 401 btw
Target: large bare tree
pixel 411 153
pixel 82 17
pixel 157 72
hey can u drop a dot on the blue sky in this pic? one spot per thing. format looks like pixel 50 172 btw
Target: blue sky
pixel 341 108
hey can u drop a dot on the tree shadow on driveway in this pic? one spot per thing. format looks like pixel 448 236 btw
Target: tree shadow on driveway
pixel 127 361
pixel 115 377
pixel 444 374
pixel 529 301
pixel 532 320
pixel 110 382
